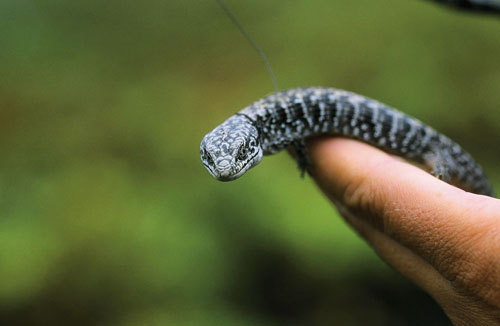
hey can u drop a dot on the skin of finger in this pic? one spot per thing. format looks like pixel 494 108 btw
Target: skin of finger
pixel 456 232
pixel 460 308
pixel 401 258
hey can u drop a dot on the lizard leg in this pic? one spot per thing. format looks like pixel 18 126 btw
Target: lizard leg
pixel 300 153
pixel 438 164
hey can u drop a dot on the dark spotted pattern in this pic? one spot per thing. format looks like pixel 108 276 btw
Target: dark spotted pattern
pixel 285 118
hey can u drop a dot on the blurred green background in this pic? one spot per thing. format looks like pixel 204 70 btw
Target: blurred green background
pixel 108 216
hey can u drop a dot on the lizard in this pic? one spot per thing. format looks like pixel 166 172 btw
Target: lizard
pixel 285 119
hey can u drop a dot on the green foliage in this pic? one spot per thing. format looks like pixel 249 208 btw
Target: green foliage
pixel 108 215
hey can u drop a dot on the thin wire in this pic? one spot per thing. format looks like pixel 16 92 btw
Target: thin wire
pixel 252 42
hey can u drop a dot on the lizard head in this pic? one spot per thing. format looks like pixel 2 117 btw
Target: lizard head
pixel 232 148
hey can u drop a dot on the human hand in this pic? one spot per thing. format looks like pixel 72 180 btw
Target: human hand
pixel 444 239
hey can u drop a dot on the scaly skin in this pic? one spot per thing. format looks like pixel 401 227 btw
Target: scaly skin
pixel 285 119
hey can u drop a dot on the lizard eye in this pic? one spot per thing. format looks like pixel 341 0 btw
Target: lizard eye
pixel 207 157
pixel 242 152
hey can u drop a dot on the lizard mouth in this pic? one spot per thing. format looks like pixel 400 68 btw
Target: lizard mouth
pixel 229 175
pixel 233 176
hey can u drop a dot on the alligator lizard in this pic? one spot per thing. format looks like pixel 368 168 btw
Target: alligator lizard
pixel 285 119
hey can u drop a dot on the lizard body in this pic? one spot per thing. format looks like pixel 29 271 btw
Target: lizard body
pixel 285 119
